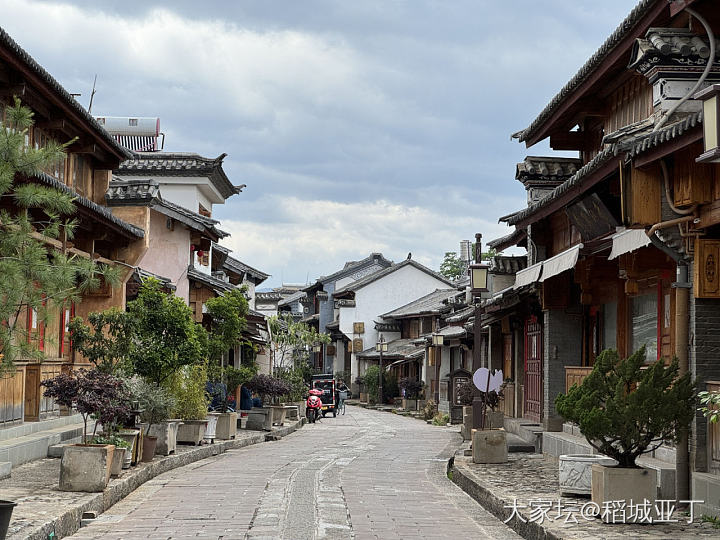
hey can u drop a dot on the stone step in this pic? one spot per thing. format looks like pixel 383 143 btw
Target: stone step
pixel 517 444
pixel 28 428
pixel 35 445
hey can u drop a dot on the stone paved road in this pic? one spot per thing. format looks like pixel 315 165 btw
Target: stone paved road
pixel 363 475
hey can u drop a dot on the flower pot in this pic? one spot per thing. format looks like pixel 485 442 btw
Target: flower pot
pixel 6 510
pixel 260 418
pixel 278 414
pixel 132 437
pixel 191 431
pixel 212 419
pixel 148 448
pixel 489 446
pixel 243 419
pixel 86 467
pixel 166 433
pixel 118 460
pixel 575 472
pixel 621 486
pixel 226 426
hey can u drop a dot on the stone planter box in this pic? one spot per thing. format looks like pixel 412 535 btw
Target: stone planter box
pixel 166 433
pixel 226 426
pixel 191 431
pixel 363 397
pixel 260 418
pixel 278 414
pixel 489 446
pixel 86 467
pixel 410 404
pixel 575 472
pixel 132 437
pixel 300 405
pixel 212 419
pixel 617 484
pixel 118 460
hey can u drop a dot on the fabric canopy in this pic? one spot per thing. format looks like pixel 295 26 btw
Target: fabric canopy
pixel 627 241
pixel 527 276
pixel 561 262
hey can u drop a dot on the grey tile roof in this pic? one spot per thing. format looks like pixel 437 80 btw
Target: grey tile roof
pixel 546 169
pixel 397 349
pixel 352 265
pixel 181 164
pixel 512 239
pixel 504 264
pixel 360 283
pixel 123 192
pixel 621 32
pixel 31 65
pixel 216 284
pixel 679 47
pixel 432 303
pixel 460 315
pixel 102 211
pixel 142 275
pixel 643 142
pixel 233 264
pixel 295 297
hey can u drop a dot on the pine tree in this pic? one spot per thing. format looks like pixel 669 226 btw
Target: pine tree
pixel 34 273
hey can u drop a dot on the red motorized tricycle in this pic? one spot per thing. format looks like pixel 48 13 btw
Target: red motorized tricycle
pixel 326 384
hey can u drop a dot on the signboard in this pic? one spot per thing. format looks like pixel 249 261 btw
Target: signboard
pixel 459 381
pixel 330 350
pixel 359 328
pixel 357 345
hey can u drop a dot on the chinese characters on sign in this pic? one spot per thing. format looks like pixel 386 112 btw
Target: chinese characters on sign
pixel 568 512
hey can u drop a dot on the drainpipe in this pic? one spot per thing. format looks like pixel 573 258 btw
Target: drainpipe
pixel 682 323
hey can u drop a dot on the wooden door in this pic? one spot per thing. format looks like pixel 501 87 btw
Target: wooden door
pixel 533 391
pixel 32 393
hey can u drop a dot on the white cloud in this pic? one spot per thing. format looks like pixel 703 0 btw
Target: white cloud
pixel 315 238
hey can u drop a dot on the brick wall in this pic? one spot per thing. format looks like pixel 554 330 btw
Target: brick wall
pixel 704 365
pixel 562 347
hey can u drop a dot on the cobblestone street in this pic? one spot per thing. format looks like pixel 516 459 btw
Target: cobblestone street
pixel 363 475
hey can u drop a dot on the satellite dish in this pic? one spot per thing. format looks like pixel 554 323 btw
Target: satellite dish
pixel 486 381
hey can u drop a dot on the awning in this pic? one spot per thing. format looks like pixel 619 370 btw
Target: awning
pixel 527 276
pixel 561 262
pixel 627 241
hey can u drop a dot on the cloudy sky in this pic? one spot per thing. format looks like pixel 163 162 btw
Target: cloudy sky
pixel 358 125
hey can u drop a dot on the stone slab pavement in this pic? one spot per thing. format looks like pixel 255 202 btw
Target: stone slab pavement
pixel 529 482
pixel 364 475
pixel 44 510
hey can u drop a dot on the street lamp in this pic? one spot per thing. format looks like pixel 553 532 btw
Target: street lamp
pixel 438 340
pixel 710 97
pixel 381 347
pixel 478 278
pixel 478 285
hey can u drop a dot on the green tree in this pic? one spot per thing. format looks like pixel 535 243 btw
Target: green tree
pixel 293 341
pixel 106 340
pixel 625 409
pixel 166 337
pixel 227 322
pixel 453 267
pixel 33 273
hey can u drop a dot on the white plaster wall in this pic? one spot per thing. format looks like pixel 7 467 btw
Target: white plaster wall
pixel 386 294
pixel 340 283
pixel 169 253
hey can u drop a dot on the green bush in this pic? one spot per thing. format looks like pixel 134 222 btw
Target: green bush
pixel 111 439
pixel 440 419
pixel 188 388
pixel 625 411
pixel 372 381
pixel 295 378
pixel 429 409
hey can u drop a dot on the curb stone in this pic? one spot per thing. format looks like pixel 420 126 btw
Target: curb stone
pixel 69 521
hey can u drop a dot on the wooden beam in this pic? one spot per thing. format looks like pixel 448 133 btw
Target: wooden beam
pixel 569 140
pixel 59 124
pixel 648 158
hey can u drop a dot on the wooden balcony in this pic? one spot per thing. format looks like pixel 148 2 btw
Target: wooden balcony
pixel 575 375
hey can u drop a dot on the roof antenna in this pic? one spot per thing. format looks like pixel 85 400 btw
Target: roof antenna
pixel 92 95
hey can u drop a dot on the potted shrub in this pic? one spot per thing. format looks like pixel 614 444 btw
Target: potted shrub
pixel 412 389
pixel 156 404
pixel 191 404
pixel 234 378
pixel 626 409
pixel 86 467
pixel 269 388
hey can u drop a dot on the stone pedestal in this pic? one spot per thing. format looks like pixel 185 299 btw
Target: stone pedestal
pixel 260 418
pixel 489 446
pixel 467 425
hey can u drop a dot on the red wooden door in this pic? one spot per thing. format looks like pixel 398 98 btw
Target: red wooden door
pixel 533 391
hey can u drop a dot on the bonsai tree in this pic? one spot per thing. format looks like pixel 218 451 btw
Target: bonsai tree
pixel 412 387
pixel 92 393
pixel 625 411
pixel 166 337
pixel 106 340
pixel 268 387
pixel 155 402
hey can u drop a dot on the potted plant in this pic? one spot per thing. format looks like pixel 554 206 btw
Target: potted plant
pixel 625 409
pixel 234 378
pixel 295 398
pixel 86 467
pixel 411 392
pixel 6 510
pixel 269 388
pixel 121 454
pixel 156 404
pixel 191 404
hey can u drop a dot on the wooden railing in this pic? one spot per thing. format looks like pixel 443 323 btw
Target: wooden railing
pixel 575 375
pixel 12 396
